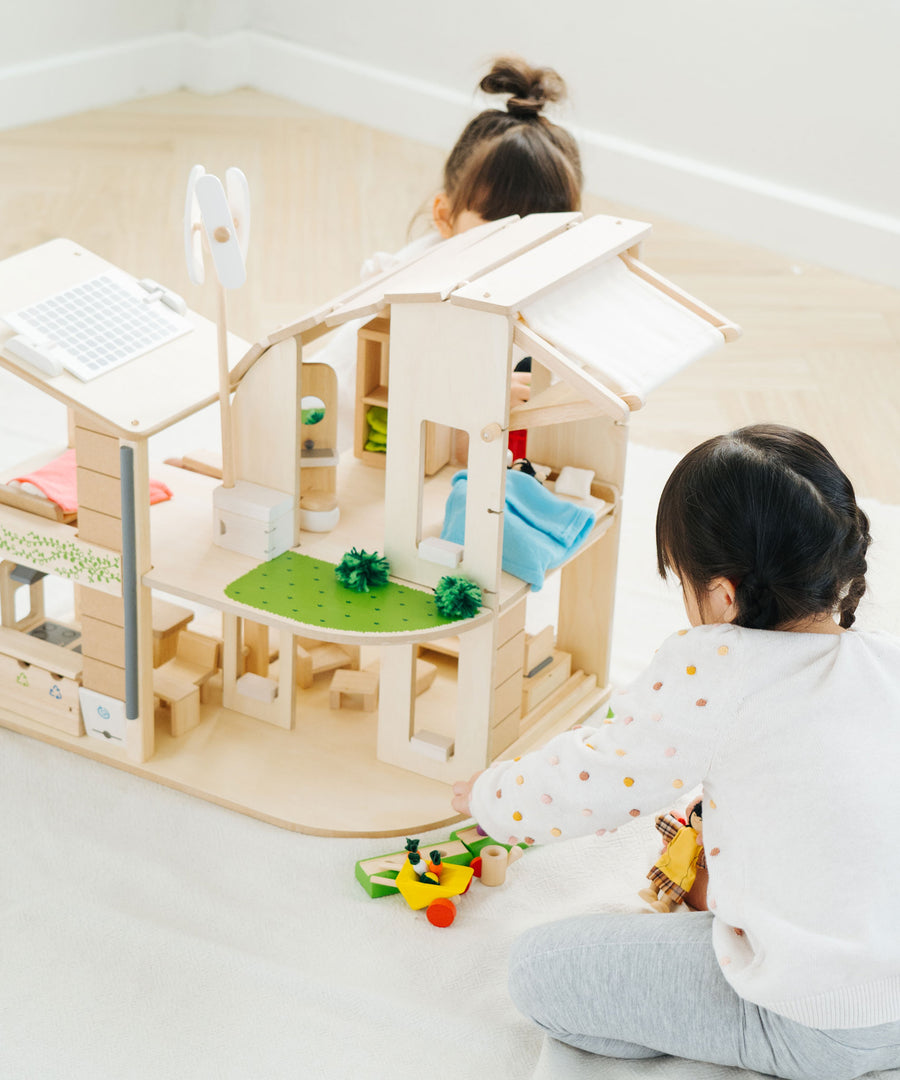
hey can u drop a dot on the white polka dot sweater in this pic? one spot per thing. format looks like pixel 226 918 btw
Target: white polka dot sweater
pixel 796 741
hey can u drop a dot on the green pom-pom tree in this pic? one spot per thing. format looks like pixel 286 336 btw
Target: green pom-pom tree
pixel 457 597
pixel 362 570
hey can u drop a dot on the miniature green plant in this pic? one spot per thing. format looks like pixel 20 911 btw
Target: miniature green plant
pixel 362 570
pixel 457 597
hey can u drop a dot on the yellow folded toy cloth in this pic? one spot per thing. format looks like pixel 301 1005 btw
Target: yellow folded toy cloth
pixel 377 437
pixel 377 417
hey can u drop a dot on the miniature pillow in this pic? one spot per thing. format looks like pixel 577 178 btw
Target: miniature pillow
pixel 575 482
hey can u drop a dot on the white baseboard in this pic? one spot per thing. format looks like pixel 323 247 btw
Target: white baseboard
pixel 796 223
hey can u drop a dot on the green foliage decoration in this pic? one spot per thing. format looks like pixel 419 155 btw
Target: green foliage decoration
pixel 457 597
pixel 362 570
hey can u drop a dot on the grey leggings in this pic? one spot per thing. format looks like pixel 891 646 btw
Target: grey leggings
pixel 641 986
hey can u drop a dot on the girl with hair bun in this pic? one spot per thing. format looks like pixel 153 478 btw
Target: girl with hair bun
pixel 789 718
pixel 512 160
pixel 506 161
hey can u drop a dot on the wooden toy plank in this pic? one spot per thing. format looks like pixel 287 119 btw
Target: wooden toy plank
pixel 538 647
pixel 97 451
pixel 436 279
pixel 103 677
pixel 102 529
pixel 509 658
pixel 99 605
pixel 372 298
pixel 544 683
pixel 510 622
pixel 102 640
pixel 97 491
pixel 504 733
pixel 512 285
pixel 508 695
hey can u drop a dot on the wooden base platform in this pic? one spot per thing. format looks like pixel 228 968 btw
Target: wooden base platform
pixel 320 778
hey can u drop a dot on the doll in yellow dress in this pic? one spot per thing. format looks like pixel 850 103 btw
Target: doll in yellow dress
pixel 674 874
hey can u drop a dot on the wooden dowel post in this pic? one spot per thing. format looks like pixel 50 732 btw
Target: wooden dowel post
pixel 224 389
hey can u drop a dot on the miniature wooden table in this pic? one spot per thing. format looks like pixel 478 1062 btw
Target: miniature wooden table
pixel 168 621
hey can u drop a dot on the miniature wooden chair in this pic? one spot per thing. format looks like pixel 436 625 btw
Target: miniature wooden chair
pixel 315 657
pixel 181 683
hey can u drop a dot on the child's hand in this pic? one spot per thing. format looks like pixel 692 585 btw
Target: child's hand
pixel 520 387
pixel 462 790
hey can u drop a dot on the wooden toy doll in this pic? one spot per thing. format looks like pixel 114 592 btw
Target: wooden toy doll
pixel 674 875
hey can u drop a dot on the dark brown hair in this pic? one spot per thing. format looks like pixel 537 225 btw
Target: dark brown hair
pixel 515 161
pixel 768 508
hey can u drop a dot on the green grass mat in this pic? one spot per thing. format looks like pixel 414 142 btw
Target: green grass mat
pixel 302 588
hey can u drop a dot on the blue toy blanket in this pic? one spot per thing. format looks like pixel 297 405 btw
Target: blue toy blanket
pixel 540 530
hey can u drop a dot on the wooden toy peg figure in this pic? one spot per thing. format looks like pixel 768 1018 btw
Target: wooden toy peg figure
pixel 672 876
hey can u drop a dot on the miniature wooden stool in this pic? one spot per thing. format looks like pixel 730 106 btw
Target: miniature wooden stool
pixel 346 681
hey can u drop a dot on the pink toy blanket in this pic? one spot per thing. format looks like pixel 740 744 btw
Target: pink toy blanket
pixel 57 481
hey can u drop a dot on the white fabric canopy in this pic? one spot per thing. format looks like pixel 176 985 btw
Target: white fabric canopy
pixel 630 335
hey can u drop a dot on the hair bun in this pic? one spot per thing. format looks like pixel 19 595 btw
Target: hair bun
pixel 529 88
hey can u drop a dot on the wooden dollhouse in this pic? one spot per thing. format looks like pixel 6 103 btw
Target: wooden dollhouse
pixel 234 671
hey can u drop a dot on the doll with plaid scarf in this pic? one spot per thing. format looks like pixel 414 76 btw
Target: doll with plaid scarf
pixel 679 874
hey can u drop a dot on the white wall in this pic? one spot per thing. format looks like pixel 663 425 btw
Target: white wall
pixel 801 93
pixel 771 121
pixel 35 30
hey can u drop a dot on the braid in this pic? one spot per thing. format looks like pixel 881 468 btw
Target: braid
pixel 757 604
pixel 857 565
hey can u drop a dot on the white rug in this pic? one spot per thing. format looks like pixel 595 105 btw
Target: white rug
pixel 146 935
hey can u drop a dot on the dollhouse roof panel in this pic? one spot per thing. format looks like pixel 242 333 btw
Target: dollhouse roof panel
pixel 138 399
pixel 370 298
pixel 506 289
pixel 437 276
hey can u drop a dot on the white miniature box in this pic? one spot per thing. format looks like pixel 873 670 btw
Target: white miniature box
pixel 433 745
pixel 443 552
pixel 104 716
pixel 253 520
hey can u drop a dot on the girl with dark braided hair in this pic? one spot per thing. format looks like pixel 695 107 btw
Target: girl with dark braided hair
pixel 786 714
pixel 763 530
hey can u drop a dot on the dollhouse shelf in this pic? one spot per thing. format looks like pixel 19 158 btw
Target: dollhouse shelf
pixel 378 396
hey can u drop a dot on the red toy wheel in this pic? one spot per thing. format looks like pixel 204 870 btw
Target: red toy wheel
pixel 441 912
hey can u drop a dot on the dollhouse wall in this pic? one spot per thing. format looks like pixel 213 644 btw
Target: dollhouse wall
pixel 265 409
pixel 450 365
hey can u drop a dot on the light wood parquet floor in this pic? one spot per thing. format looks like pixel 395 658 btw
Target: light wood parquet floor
pixel 820 350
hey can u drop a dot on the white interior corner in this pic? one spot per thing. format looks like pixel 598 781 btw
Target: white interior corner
pixel 781 158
